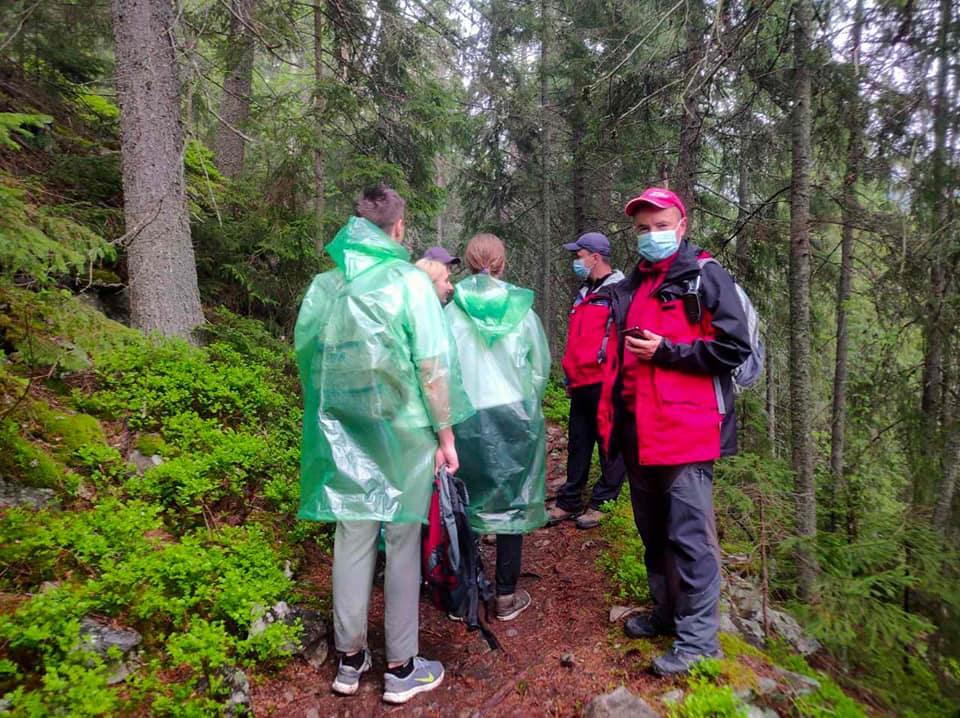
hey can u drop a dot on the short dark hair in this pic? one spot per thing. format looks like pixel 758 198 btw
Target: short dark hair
pixel 382 206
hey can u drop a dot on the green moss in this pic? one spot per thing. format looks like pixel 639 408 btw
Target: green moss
pixel 733 647
pixel 65 431
pixel 54 327
pixel 26 462
pixel 150 444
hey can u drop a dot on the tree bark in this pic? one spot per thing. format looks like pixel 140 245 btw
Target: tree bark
pixel 934 330
pixel 801 412
pixel 319 161
pixel 162 270
pixel 546 280
pixel 838 423
pixel 684 181
pixel 228 144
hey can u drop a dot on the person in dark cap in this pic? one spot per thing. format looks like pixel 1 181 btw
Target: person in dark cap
pixel 678 332
pixel 583 371
pixel 439 254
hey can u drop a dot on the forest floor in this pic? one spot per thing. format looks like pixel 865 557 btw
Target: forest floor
pixel 532 675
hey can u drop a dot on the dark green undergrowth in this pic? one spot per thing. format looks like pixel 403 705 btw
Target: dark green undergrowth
pixel 859 618
pixel 189 549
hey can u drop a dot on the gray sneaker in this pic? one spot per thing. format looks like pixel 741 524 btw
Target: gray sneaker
pixel 425 676
pixel 347 681
pixel 511 606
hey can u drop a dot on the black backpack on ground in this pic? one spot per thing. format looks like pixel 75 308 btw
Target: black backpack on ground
pixel 452 566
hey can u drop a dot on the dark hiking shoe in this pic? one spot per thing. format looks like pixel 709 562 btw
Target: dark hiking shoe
pixel 348 678
pixel 678 662
pixel 511 606
pixel 589 519
pixel 556 515
pixel 423 676
pixel 646 626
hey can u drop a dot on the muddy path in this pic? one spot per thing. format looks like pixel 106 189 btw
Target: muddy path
pixel 555 656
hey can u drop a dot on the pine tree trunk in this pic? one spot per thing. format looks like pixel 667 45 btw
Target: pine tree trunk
pixel 228 143
pixel 838 424
pixel 684 181
pixel 319 162
pixel 546 280
pixel 162 270
pixel 801 410
pixel 578 170
pixel 934 329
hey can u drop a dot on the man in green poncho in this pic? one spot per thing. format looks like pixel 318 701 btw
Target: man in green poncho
pixel 381 386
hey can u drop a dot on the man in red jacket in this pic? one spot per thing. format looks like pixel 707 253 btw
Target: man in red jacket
pixel 582 366
pixel 667 407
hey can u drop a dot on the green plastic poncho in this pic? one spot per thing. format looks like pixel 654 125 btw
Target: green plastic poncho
pixel 380 376
pixel 505 362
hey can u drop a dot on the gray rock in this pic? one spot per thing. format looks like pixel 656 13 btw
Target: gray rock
pixel 672 697
pixel 620 703
pixel 312 713
pixel 511 633
pixel 99 638
pixel 758 712
pixel 13 495
pixel 586 545
pixel 6 705
pixel 743 693
pixel 239 703
pixel 798 683
pixel 766 686
pixel 144 462
pixel 743 602
pixel 618 613
pixel 313 646
pixel 568 661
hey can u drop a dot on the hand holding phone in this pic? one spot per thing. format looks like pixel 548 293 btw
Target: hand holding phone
pixel 635 332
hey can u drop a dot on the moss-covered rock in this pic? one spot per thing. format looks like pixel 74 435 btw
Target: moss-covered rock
pixel 65 431
pixel 52 326
pixel 28 463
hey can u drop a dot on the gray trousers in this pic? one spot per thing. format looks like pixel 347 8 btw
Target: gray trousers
pixel 354 561
pixel 673 510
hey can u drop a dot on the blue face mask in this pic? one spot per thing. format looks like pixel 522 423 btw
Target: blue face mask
pixel 654 246
pixel 580 269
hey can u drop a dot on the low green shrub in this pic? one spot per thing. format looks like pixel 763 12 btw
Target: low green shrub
pixel 623 560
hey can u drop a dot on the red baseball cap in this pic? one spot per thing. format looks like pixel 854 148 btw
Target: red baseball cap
pixel 658 197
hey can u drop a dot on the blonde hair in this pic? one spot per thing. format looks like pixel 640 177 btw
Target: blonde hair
pixel 486 253
pixel 434 269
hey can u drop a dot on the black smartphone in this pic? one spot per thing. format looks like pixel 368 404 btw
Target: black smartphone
pixel 635 332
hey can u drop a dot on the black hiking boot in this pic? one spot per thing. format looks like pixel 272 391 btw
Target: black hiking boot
pixel 677 662
pixel 647 626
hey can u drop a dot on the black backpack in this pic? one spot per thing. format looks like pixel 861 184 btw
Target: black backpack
pixel 452 566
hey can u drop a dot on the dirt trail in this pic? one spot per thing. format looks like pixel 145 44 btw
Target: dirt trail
pixel 527 678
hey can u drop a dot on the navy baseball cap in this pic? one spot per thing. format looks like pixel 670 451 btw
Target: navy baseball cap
pixel 439 254
pixel 592 242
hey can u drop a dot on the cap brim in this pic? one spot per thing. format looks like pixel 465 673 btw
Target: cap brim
pixel 635 203
pixel 572 247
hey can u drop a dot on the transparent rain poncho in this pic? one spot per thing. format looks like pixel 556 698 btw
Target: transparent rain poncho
pixel 505 363
pixel 380 376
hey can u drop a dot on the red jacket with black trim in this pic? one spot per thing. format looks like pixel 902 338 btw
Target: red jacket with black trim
pixel 588 323
pixel 683 397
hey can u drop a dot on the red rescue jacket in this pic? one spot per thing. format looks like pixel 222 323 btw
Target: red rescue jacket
pixel 683 397
pixel 588 323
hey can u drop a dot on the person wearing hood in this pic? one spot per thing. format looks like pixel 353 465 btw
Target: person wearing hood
pixel 678 332
pixel 506 363
pixel 382 389
pixel 583 369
